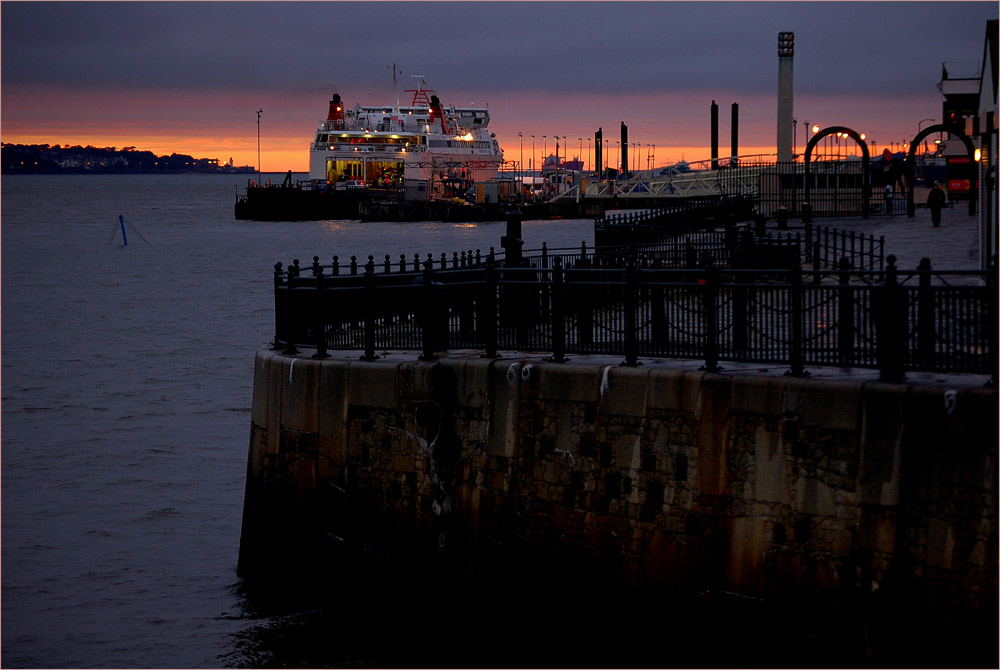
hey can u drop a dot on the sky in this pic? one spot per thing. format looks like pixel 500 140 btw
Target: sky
pixel 189 77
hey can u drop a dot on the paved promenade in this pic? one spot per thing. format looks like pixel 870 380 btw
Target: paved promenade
pixel 952 246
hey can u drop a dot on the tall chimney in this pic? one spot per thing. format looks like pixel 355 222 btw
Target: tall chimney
pixel 786 51
pixel 715 136
pixel 598 154
pixel 624 165
pixel 736 133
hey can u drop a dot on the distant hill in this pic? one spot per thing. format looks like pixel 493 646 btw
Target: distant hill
pixel 66 159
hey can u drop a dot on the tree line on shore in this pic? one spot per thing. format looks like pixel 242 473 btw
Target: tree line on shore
pixel 66 159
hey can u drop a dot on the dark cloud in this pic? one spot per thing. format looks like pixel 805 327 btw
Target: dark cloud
pixel 493 48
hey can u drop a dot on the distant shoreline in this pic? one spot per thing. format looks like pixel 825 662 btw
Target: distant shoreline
pixel 66 159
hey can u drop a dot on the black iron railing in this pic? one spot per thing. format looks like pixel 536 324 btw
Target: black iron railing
pixel 576 303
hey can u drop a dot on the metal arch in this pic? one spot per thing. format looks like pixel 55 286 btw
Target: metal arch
pixel 866 183
pixel 911 169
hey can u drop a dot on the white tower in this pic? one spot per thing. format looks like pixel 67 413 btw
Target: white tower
pixel 786 50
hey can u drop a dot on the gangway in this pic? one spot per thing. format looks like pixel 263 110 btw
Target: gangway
pixel 742 179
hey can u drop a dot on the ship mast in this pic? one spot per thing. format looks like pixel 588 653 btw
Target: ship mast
pixel 395 89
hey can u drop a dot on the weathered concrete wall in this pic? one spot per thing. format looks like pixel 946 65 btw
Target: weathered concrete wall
pixel 815 492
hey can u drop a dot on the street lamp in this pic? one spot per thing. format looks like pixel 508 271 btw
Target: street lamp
pixel 520 141
pixel 258 143
pixel 532 154
pixel 588 154
pixel 921 124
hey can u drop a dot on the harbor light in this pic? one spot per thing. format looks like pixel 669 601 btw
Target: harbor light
pixel 815 128
pixel 978 155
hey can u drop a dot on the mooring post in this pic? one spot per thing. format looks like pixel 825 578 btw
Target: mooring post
pixel 512 242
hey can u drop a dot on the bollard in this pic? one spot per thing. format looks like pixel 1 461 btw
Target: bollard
pixel 336 265
pixel 354 265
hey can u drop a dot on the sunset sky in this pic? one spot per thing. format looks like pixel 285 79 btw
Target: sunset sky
pixel 189 77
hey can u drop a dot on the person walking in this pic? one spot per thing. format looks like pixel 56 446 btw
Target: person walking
pixel 935 201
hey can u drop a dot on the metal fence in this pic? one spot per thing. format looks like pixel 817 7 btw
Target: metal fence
pixel 894 321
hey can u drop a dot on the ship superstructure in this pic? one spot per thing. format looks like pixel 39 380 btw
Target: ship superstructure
pixel 446 148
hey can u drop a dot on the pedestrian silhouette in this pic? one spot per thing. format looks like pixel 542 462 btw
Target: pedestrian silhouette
pixel 935 201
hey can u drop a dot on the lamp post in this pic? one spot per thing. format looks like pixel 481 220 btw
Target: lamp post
pixel 532 154
pixel 258 144
pixel 545 149
pixel 520 142
pixel 589 154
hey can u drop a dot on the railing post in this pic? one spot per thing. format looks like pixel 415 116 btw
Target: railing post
pixel 558 313
pixel 319 312
pixel 427 309
pixel 925 314
pixel 489 310
pixel 658 318
pixel 889 303
pixel 992 316
pixel 710 293
pixel 369 310
pixel 795 354
pixel 740 313
pixel 291 307
pixel 631 305
pixel 279 307
pixel 336 266
pixel 845 314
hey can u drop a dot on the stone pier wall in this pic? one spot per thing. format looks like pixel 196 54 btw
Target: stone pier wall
pixel 770 487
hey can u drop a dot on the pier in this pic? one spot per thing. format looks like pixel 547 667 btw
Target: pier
pixel 646 421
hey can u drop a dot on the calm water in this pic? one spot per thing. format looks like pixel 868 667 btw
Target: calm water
pixel 126 378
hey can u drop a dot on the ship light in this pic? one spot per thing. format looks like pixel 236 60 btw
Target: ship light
pixel 978 155
pixel 467 136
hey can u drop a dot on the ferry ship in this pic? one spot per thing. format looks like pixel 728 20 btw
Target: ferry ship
pixel 427 149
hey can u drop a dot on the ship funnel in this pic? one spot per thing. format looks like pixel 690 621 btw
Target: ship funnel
pixel 437 113
pixel 336 109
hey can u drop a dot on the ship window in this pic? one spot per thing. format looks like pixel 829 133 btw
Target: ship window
pixel 343 170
